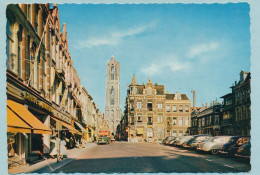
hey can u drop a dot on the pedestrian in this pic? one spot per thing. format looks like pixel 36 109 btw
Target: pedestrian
pixel 63 150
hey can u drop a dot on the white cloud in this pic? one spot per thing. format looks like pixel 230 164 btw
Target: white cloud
pixel 115 37
pixel 200 49
pixel 173 65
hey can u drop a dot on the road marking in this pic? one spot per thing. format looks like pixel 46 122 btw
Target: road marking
pixel 228 166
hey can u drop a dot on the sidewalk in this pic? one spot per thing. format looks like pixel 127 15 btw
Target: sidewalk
pixel 50 165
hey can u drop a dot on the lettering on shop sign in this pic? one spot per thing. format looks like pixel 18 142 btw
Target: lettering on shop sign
pixel 31 98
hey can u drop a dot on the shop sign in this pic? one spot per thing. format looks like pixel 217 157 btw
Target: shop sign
pixel 31 98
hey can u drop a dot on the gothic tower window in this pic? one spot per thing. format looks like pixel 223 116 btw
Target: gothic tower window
pixel 112 95
pixel 112 72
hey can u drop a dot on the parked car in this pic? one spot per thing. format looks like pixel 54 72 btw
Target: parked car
pixel 103 140
pixel 176 140
pixel 244 150
pixel 200 145
pixel 233 144
pixel 168 139
pixel 171 142
pixel 213 145
pixel 192 143
pixel 183 140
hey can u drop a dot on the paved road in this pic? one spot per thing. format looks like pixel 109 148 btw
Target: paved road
pixel 149 157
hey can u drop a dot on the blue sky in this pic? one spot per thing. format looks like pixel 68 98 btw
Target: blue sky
pixel 183 46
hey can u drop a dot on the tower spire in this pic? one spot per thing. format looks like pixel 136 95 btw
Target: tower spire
pixel 134 82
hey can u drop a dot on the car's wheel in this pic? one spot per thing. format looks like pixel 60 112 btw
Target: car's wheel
pixel 215 151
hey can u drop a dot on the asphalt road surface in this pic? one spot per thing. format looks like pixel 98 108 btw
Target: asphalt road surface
pixel 123 157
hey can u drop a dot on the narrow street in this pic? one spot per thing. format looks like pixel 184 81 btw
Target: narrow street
pixel 149 157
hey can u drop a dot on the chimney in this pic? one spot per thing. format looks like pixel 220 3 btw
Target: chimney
pixel 207 105
pixel 194 98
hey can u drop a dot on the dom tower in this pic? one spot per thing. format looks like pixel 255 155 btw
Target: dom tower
pixel 112 108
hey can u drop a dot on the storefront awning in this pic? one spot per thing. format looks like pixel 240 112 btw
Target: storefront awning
pixel 81 127
pixel 23 113
pixel 140 131
pixel 69 127
pixel 15 124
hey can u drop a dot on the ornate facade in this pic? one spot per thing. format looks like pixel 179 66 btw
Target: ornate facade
pixel 152 114
pixel 42 80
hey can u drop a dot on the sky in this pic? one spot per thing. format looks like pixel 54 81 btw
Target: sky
pixel 201 47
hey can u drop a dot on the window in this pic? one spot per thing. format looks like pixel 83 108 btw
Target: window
pixel 174 133
pixel 139 118
pixel 203 121
pixel 180 108
pixel 19 60
pixel 149 122
pixel 216 119
pixel 112 72
pixel 180 121
pixel 180 132
pixel 174 120
pixel 150 106
pixel 199 123
pixel 134 90
pixel 160 118
pixel 243 96
pixel 237 98
pixel 149 132
pixel 131 106
pixel 174 108
pixel 28 60
pixel 132 120
pixel 160 105
pixel 168 133
pixel 139 105
pixel 187 108
pixel 149 91
pixel 168 108
pixel 112 93
pixel 186 121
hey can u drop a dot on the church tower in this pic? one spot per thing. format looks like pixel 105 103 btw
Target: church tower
pixel 112 108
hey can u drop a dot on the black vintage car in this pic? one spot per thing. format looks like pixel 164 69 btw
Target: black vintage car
pixel 244 150
pixel 233 144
